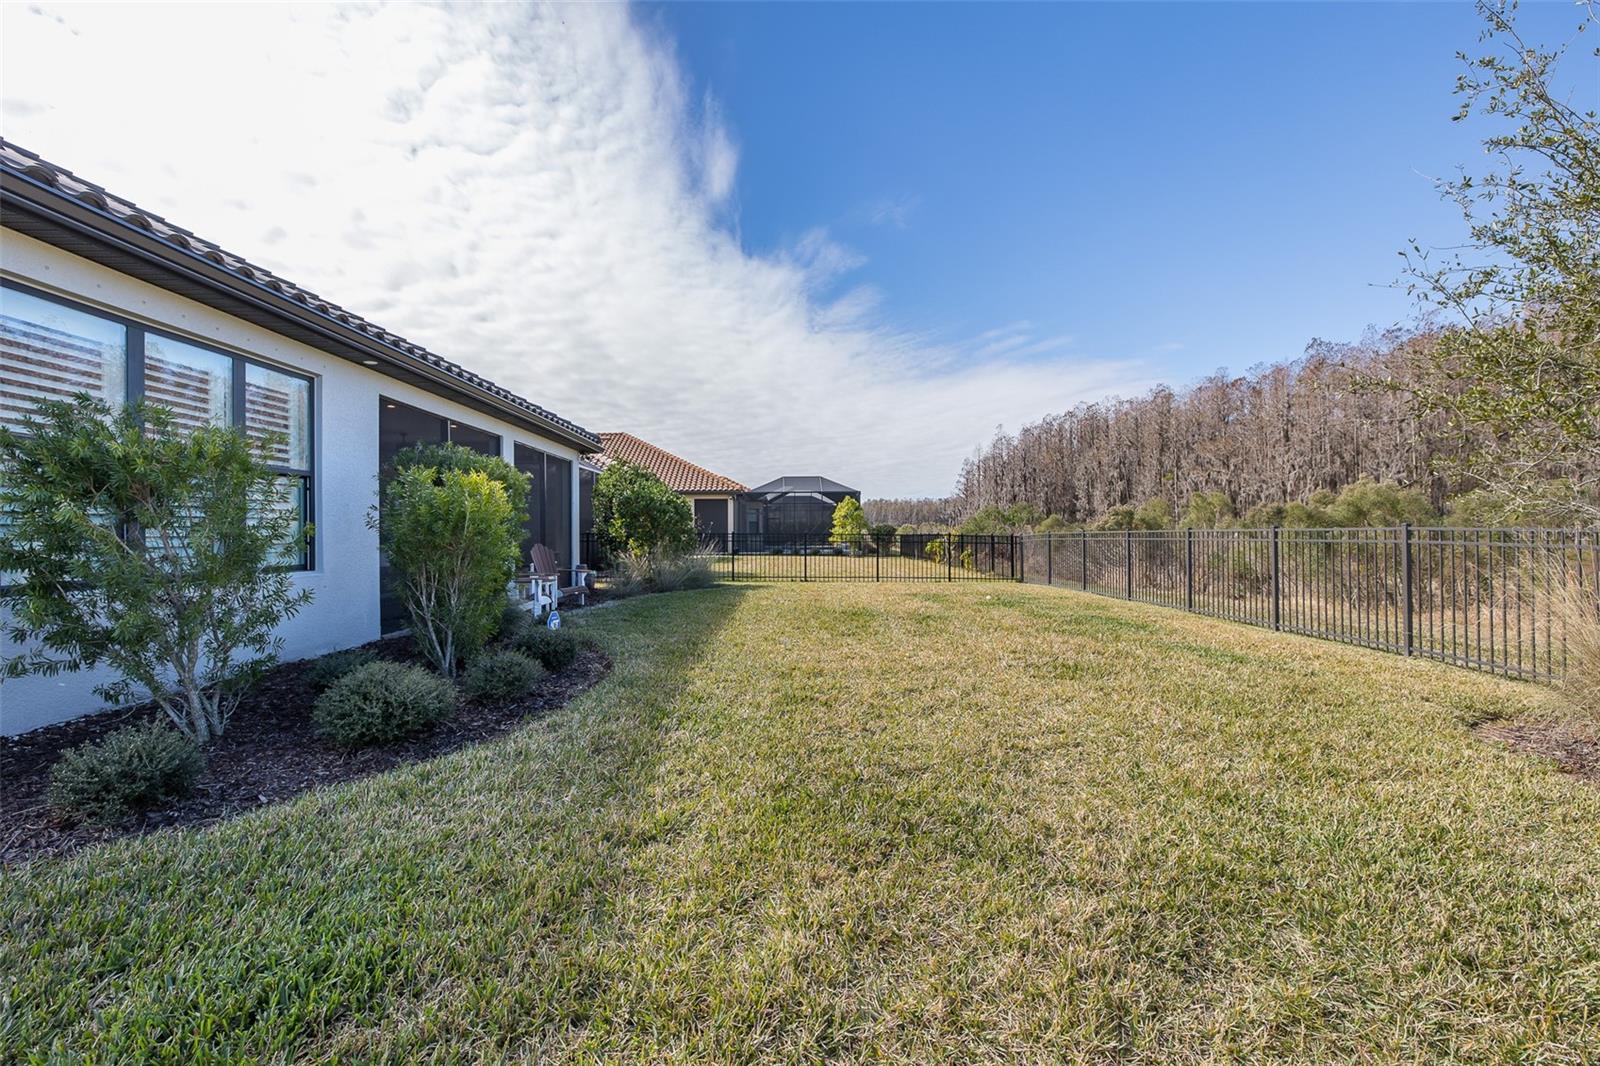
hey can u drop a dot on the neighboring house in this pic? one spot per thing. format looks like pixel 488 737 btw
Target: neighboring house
pixel 790 511
pixel 714 496
pixel 99 296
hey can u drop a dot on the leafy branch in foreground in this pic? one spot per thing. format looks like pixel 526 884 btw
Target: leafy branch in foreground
pixel 1516 371
pixel 152 549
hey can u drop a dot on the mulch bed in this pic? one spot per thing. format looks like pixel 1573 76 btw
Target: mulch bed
pixel 1573 748
pixel 270 753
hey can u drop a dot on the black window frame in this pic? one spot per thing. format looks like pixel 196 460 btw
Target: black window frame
pixel 135 332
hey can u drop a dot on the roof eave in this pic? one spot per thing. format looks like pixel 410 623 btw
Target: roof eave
pixel 20 192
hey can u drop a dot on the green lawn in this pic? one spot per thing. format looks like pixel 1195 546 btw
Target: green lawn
pixel 920 823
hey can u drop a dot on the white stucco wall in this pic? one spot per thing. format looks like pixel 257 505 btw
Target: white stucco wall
pixel 344 610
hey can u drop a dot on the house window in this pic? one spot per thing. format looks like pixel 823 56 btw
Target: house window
pixel 49 351
pixel 195 384
pixel 53 350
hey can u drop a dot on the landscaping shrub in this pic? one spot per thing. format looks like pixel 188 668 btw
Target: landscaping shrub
pixel 451 528
pixel 152 549
pixel 636 514
pixel 331 667
pixel 513 620
pixel 131 769
pixel 502 674
pixel 382 701
pixel 556 649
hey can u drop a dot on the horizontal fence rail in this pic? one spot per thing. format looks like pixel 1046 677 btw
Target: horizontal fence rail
pixel 1490 599
pixel 900 557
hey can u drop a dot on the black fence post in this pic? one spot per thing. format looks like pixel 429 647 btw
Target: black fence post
pixel 733 553
pixel 1017 571
pixel 1127 547
pixel 1188 569
pixel 949 557
pixel 1277 584
pixel 805 565
pixel 877 561
pixel 1050 560
pixel 1406 596
pixel 1083 540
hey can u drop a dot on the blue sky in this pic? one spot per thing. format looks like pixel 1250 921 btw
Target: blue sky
pixel 1231 180
pixel 848 240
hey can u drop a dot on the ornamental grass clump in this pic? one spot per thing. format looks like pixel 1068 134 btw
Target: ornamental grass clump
pixel 128 770
pixel 382 702
pixel 1577 611
pixel 500 675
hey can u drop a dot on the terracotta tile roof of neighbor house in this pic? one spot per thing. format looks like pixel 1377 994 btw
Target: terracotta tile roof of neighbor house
pixel 19 165
pixel 679 474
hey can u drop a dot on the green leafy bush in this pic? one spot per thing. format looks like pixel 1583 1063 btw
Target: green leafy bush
pixel 555 648
pixel 934 550
pixel 380 702
pixel 451 530
pixel 636 514
pixel 131 769
pixel 501 674
pixel 331 667
pixel 154 550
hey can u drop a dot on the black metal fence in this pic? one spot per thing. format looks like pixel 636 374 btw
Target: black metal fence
pixel 908 557
pixel 1484 598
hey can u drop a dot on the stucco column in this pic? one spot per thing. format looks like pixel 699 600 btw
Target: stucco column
pixel 577 535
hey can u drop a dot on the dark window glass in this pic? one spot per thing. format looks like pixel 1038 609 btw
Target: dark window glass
pixel 549 502
pixel 400 426
pixel 558 508
pixel 480 441
pixel 586 502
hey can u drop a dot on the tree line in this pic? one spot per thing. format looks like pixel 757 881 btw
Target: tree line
pixel 1489 408
pixel 1277 434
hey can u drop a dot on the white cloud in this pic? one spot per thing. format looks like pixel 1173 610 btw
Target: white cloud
pixel 535 193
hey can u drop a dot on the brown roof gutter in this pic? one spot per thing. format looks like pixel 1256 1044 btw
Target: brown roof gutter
pixel 30 206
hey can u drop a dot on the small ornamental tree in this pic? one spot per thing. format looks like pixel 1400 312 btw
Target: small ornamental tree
pixel 1515 370
pixel 849 521
pixel 636 514
pixel 451 531
pixel 152 550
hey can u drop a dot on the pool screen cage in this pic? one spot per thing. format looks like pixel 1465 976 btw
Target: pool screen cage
pixel 790 511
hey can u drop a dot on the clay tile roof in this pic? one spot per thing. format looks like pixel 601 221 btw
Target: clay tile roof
pixel 18 162
pixel 679 474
